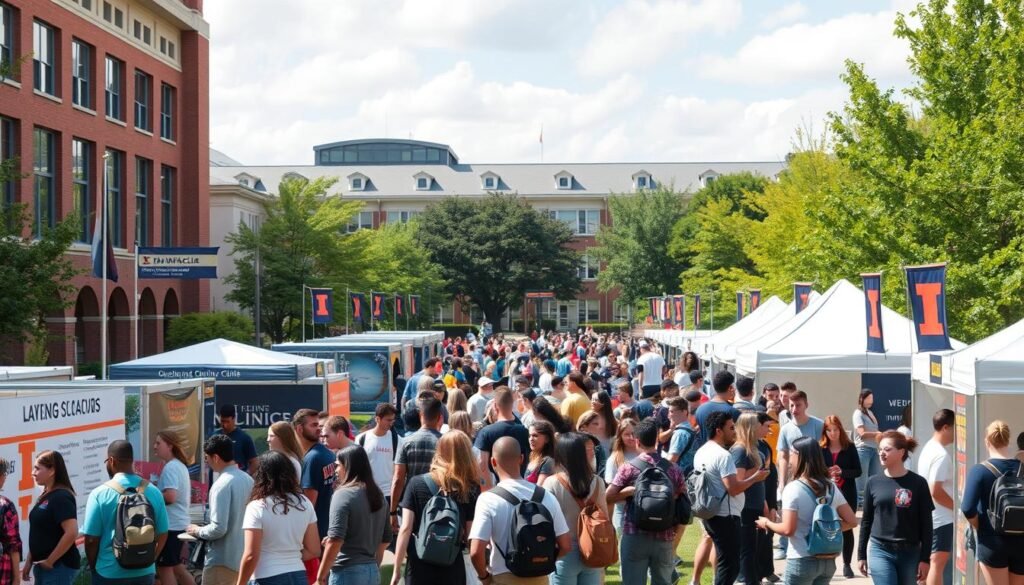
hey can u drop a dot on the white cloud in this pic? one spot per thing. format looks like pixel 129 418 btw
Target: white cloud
pixel 791 12
pixel 638 33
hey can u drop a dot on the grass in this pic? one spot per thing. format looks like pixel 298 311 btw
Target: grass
pixel 687 546
pixel 359 420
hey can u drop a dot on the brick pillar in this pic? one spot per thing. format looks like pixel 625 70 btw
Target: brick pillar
pixel 61 342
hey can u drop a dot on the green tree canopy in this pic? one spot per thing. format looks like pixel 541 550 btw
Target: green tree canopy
pixel 396 263
pixel 196 328
pixel 493 249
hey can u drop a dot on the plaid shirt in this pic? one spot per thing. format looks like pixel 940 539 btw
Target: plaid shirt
pixel 417 451
pixel 627 476
pixel 10 540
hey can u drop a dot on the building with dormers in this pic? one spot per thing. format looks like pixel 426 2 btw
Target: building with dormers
pixel 396 180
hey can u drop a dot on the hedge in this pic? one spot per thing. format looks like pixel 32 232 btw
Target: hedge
pixel 454 330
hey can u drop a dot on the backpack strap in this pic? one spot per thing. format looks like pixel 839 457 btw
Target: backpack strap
pixel 505 495
pixel 640 464
pixel 992 468
pixel 120 489
pixel 394 444
pixel 431 485
pixel 361 440
pixel 538 495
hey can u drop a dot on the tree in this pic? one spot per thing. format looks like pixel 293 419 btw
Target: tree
pixel 301 242
pixel 199 327
pixel 492 250
pixel 634 248
pixel 397 263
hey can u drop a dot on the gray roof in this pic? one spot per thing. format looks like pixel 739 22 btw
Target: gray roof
pixel 219 159
pixel 530 180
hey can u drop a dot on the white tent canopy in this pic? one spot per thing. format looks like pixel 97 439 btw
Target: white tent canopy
pixel 764 313
pixel 223 360
pixel 994 365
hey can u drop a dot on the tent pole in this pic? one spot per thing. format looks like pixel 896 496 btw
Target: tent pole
pixel 303 313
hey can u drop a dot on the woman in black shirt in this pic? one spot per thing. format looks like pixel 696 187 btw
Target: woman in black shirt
pixel 53 524
pixel 843 464
pixel 897 517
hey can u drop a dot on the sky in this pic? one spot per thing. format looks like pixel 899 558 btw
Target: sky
pixel 599 80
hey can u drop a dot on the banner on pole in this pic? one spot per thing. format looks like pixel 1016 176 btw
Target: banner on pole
pixel 323 305
pixel 873 311
pixel 358 301
pixel 696 312
pixel 801 295
pixel 377 310
pixel 654 307
pixel 101 245
pixel 186 263
pixel 740 297
pixel 755 299
pixel 926 288
pixel 399 306
pixel 679 311
pixel 414 305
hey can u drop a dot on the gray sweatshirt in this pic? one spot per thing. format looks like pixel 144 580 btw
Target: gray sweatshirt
pixel 228 497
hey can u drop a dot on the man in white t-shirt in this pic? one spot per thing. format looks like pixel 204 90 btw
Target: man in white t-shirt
pixel 493 518
pixel 477 403
pixel 936 465
pixel 651 365
pixel 381 445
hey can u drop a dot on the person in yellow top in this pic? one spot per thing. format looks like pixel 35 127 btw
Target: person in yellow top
pixel 773 405
pixel 576 401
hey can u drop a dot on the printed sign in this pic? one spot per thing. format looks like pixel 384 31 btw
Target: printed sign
pixel 935 369
pixel 892 396
pixel 926 289
pixel 188 263
pixel 260 405
pixel 873 312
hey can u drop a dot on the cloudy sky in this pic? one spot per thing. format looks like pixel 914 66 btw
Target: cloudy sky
pixel 607 80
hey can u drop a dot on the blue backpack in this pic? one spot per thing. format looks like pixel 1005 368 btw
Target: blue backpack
pixel 825 537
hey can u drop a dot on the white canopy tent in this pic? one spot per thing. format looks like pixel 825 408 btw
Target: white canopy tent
pixel 765 313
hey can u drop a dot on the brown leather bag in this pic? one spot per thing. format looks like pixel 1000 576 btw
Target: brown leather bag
pixel 599 546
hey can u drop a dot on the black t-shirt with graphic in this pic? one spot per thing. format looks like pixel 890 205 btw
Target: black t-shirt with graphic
pixel 897 510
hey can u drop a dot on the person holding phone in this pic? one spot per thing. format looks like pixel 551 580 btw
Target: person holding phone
pixel 843 462
pixel 750 461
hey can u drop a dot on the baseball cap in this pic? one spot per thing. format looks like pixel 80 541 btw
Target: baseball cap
pixel 439 386
pixel 484 381
pixel 643 344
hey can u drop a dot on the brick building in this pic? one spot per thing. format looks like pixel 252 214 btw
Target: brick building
pixel 129 78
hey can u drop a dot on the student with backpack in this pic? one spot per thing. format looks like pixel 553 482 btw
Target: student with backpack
pixel 843 462
pixel 125 524
pixel 814 514
pixel 437 510
pixel 581 495
pixel 521 522
pixel 650 487
pixel 381 446
pixel 897 517
pixel 998 530
pixel 624 449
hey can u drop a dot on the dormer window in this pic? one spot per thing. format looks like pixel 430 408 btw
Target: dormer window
pixel 490 181
pixel 424 181
pixel 293 176
pixel 246 180
pixel 707 177
pixel 563 180
pixel 357 182
pixel 642 180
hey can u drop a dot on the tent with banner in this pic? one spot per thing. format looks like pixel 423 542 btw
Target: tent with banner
pixel 675 342
pixel 980 383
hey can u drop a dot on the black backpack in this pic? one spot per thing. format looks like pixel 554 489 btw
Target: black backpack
pixel 532 550
pixel 1006 501
pixel 654 499
pixel 134 541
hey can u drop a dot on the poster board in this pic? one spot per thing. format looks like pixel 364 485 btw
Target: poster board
pixel 338 397
pixel 181 411
pixel 260 405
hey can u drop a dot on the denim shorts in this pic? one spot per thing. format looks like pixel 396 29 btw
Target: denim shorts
pixel 942 539
pixel 293 578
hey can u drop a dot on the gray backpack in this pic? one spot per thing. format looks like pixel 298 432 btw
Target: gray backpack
pixel 438 538
pixel 705 496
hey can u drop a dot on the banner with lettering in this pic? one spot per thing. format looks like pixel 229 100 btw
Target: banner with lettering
pixel 679 311
pixel 358 302
pixel 755 299
pixel 696 312
pixel 377 310
pixel 188 263
pixel 323 305
pixel 926 289
pixel 873 311
pixel 414 305
pixel 740 297
pixel 801 295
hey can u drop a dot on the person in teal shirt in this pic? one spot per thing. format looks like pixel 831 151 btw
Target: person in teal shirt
pixel 101 511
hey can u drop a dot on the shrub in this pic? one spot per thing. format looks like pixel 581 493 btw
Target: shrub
pixel 454 330
pixel 198 327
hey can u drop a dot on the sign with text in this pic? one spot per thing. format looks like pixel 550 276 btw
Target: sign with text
pixel 892 396
pixel 873 312
pixel 186 263
pixel 926 290
pixel 260 405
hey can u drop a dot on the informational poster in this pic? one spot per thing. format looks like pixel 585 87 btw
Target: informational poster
pixel 78 424
pixel 892 396
pixel 257 406
pixel 339 398
pixel 962 430
pixel 179 411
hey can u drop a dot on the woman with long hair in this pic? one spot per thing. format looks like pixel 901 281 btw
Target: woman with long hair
pixel 360 529
pixel 544 410
pixel 279 526
pixel 690 362
pixel 281 437
pixel 456 401
pixel 575 486
pixel 811 482
pixel 453 472
pixel 865 439
pixel 52 556
pixel 542 452
pixel 176 486
pixel 843 462
pixel 897 518
pixel 624 449
pixel 1001 556
pixel 749 459
pixel 10 536
pixel 592 425
pixel 601 403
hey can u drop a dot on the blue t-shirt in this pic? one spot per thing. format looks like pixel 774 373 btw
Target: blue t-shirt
pixel 755 494
pixel 318 474
pixel 681 445
pixel 244 448
pixel 791 431
pixel 100 513
pixel 705 410
pixel 643 409
pixel 978 487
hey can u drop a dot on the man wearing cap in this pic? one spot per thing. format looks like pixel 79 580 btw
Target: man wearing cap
pixel 477 403
pixel 547 372
pixel 245 448
pixel 650 366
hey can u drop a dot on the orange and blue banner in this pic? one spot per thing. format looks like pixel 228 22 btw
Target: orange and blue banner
pixel 755 299
pixel 414 305
pixel 740 298
pixel 801 295
pixel 323 305
pixel 679 311
pixel 399 305
pixel 377 309
pixel 696 312
pixel 873 312
pixel 654 307
pixel 358 302
pixel 926 289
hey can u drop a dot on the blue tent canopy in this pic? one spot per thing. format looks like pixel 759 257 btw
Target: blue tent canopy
pixel 221 359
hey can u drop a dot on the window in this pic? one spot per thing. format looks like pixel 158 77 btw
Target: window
pixel 143 98
pixel 143 182
pixel 7 151
pixel 87 4
pixel 489 182
pixel 402 216
pixel 142 32
pixel 363 221
pixel 171 50
pixel 621 311
pixel 42 58
pixel 114 80
pixel 582 222
pixel 357 184
pixel 445 312
pixel 81 74
pixel 641 182
pixel 81 186
pixel 6 34
pixel 588 268
pixel 588 310
pixel 108 12
pixel 115 204
pixel 422 183
pixel 167 103
pixel 167 183
pixel 563 182
pixel 43 173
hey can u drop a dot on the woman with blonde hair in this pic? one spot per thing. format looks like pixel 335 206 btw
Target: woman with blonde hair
pixel 456 402
pixel 453 472
pixel 624 449
pixel 281 437
pixel 592 424
pixel 176 486
pixel 749 459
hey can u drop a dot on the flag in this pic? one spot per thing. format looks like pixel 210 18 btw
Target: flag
pixel 399 305
pixel 323 305
pixel 414 305
pixel 801 295
pixel 101 241
pixel 358 301
pixel 679 311
pixel 668 316
pixel 654 307
pixel 696 312
pixel 926 287
pixel 755 299
pixel 740 297
pixel 377 309
pixel 873 312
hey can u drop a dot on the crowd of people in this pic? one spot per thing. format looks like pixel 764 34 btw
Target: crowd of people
pixel 543 461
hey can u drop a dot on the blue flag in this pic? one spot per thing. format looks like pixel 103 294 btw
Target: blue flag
pixel 873 312
pixel 101 244
pixel 926 287
pixel 740 297
pixel 323 305
pixel 358 301
pixel 801 295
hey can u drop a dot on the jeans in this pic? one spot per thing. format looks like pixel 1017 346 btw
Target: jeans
pixel 748 547
pixel 58 575
pixel 869 465
pixel 570 570
pixel 361 574
pixel 639 553
pixel 889 566
pixel 725 533
pixel 98 579
pixel 293 578
pixel 809 571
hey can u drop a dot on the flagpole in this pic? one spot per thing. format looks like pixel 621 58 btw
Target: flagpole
pixel 304 314
pixel 396 311
pixel 103 272
pixel 371 310
pixel 712 310
pixel 135 320
pixel 348 301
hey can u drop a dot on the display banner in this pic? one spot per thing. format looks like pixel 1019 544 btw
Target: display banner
pixel 926 289
pixel 339 398
pixel 679 311
pixel 180 412
pixel 187 263
pixel 399 306
pixel 755 299
pixel 801 295
pixel 378 306
pixel 414 305
pixel 260 405
pixel 666 310
pixel 873 312
pixel 740 297
pixel 892 396
pixel 358 302
pixel 696 312
pixel 654 306
pixel 323 305
pixel 78 424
